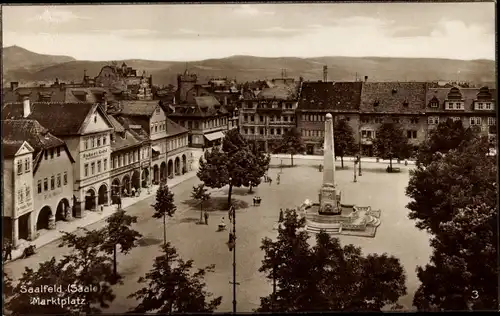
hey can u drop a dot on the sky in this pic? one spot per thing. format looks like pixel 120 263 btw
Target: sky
pixel 183 32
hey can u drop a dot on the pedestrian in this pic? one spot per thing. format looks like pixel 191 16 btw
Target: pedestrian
pixel 206 218
pixel 102 208
pixel 281 215
pixel 270 181
pixel 119 202
pixel 278 179
pixel 8 251
pixel 133 191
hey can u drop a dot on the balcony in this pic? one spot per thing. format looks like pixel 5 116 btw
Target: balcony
pixel 366 141
pixel 270 110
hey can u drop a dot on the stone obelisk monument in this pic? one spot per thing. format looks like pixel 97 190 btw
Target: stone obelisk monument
pixel 329 196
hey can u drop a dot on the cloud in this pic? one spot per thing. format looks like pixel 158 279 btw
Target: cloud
pixel 128 32
pixel 246 9
pixel 52 15
pixel 278 29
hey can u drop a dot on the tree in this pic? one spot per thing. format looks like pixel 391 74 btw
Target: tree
pixel 172 288
pixel 118 232
pixel 455 199
pixel 318 278
pixel 232 166
pixel 462 177
pixel 446 136
pixel 343 140
pixel 391 143
pixel 7 288
pixel 261 165
pixel 200 193
pixel 164 207
pixel 463 267
pixel 292 143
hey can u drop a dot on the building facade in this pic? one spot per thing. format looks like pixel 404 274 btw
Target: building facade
pixel 266 117
pixel 18 204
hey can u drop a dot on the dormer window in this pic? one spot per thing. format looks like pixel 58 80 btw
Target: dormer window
pixel 394 91
pixel 405 103
pixel 434 103
pixel 376 103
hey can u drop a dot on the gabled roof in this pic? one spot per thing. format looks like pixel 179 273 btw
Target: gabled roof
pixel 59 118
pixel 10 148
pixel 174 128
pixel 468 95
pixel 39 137
pixel 116 125
pixel 204 106
pixel 342 96
pixel 138 108
pixel 206 101
pixel 279 90
pixel 120 143
pixel 393 97
pixel 56 94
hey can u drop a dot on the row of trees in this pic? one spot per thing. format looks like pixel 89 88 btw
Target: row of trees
pixel 170 287
pixel 390 143
pixel 454 192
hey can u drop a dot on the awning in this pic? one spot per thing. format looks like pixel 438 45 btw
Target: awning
pixel 156 148
pixel 214 136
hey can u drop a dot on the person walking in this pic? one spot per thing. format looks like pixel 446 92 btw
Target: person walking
pixel 278 179
pixel 270 181
pixel 281 215
pixel 8 251
pixel 206 217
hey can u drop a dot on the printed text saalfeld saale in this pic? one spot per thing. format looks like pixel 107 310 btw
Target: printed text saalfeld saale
pixel 71 288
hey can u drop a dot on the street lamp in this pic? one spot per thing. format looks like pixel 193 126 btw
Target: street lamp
pixel 281 166
pixel 232 247
pixel 355 180
pixel 359 155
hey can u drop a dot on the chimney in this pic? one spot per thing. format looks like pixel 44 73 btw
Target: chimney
pixel 325 73
pixel 14 85
pixel 26 107
pixel 366 78
pixel 225 100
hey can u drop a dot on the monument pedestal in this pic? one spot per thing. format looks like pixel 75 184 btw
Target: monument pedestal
pixel 329 200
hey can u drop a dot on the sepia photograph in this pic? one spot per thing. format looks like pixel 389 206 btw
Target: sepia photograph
pixel 249 157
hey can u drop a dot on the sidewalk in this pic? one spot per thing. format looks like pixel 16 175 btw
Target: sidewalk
pixel 320 157
pixel 91 217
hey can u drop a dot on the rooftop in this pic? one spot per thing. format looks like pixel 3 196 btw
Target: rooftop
pixel 395 97
pixel 330 96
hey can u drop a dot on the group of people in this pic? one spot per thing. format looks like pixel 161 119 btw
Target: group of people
pixel 270 181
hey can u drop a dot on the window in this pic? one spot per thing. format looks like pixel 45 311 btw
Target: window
pixel 449 106
pixel 455 118
pixel 104 139
pixel 115 163
pixel 86 169
pixel 19 167
pixel 20 195
pixel 434 104
pixel 65 178
pixel 365 120
pixel 58 151
pixel 156 128
pixel 433 120
pixel 39 186
pixel 414 120
pixel 411 134
pixel 395 120
pixel 52 182
pixel 120 163
pixel 487 106
pixel 126 159
pixel 152 128
pixel 92 168
pixel 86 143
pixel 105 164
pixel 376 103
pixel 480 106
pixel 27 165
pixel 459 106
pixel 45 184
pixel 475 121
pixel 28 193
pixel 366 134
pixel 92 141
pixel 378 120
pixel 157 111
pixel 46 155
pixel 58 180
pixel 492 121
pixel 52 154
pixel 98 141
pixel 99 167
pixel 95 118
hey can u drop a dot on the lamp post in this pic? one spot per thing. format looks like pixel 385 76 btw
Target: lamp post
pixel 232 245
pixel 281 166
pixel 359 156
pixel 355 180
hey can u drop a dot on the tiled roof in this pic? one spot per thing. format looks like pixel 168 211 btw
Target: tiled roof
pixel 174 128
pixel 279 91
pixel 393 97
pixel 342 96
pixel 116 125
pixel 120 143
pixel 206 101
pixel 10 148
pixel 56 94
pixel 468 95
pixel 59 118
pixel 128 122
pixel 139 108
pixel 18 131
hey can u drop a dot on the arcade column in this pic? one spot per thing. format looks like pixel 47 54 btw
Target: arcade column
pixel 31 226
pixel 52 221
pixel 15 232
pixel 77 207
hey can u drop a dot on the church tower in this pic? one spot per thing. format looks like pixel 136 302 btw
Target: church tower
pixel 185 82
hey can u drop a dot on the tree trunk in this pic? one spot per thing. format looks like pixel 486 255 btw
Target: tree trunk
pixel 164 229
pixel 342 162
pixel 115 274
pixel 291 156
pixel 250 190
pixel 229 196
pixel 201 212
pixel 390 163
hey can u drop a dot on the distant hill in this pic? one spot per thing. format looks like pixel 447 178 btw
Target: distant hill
pixel 25 66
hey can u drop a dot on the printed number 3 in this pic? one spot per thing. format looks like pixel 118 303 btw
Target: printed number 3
pixel 475 295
